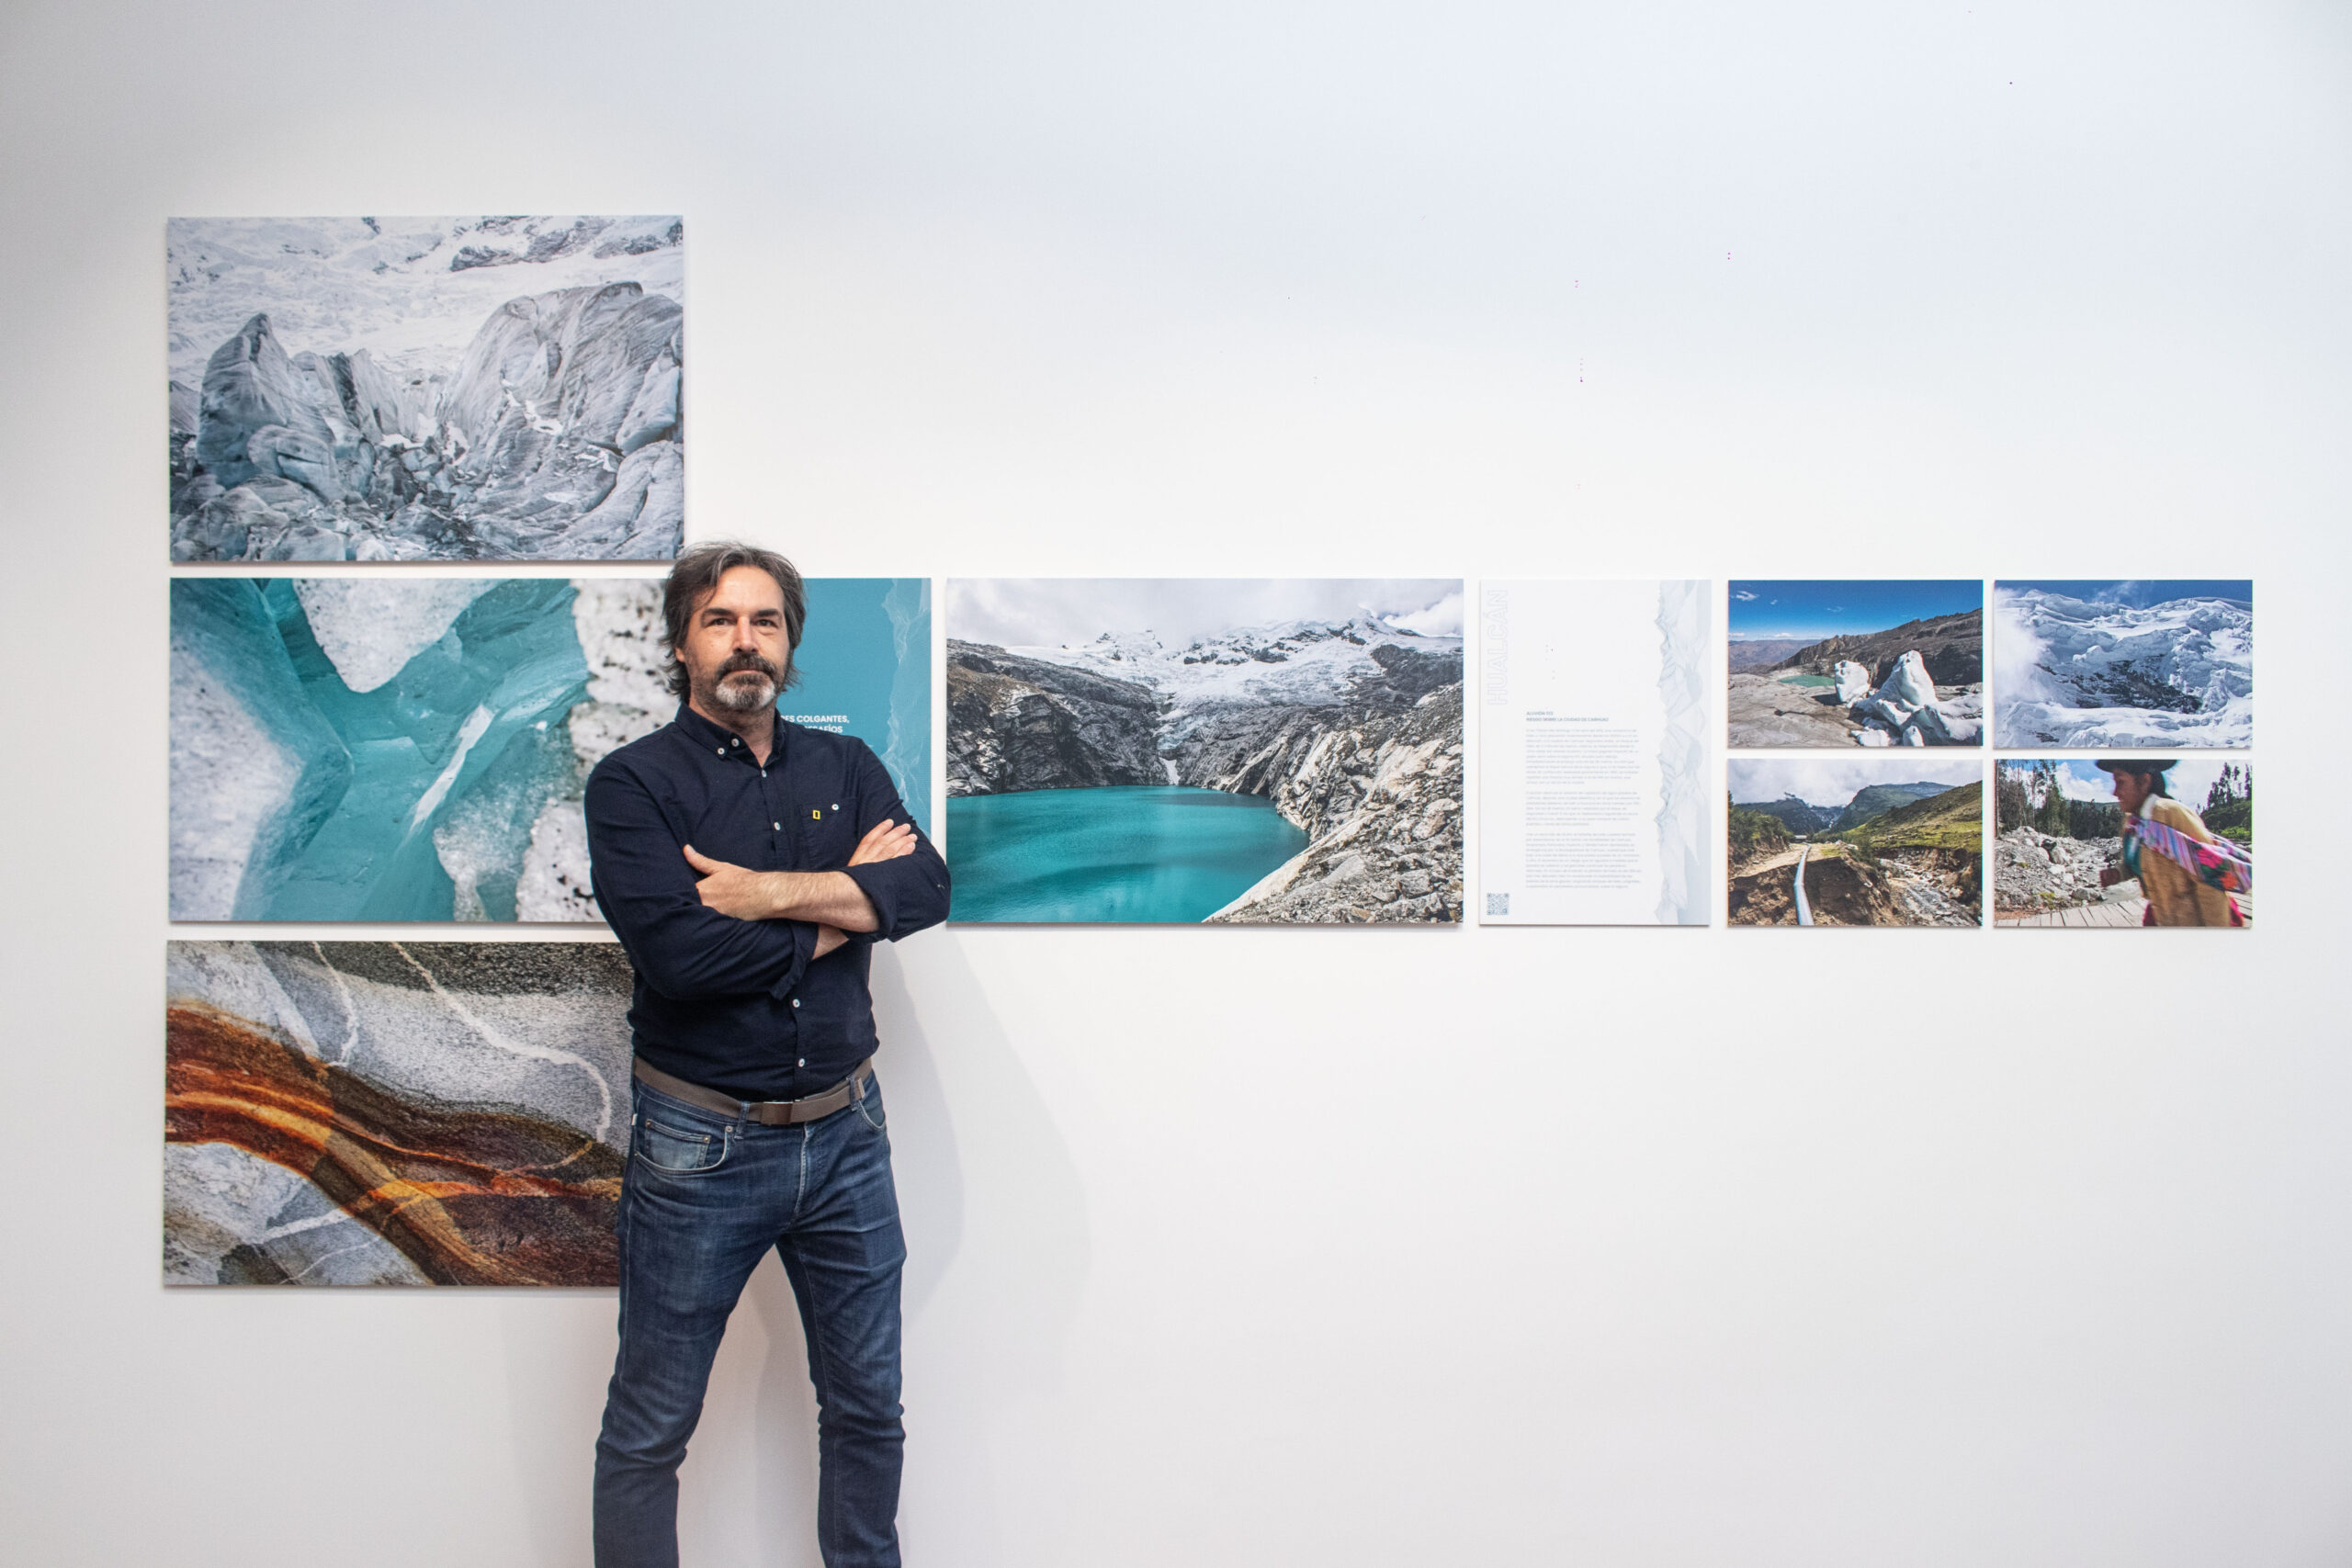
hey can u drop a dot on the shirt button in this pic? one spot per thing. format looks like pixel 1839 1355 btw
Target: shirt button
pixel 795 1001
pixel 778 826
pixel 723 751
pixel 802 1063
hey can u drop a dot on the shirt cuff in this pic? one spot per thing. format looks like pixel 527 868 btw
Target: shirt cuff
pixel 804 951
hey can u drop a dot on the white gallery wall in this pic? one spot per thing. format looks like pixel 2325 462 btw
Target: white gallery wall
pixel 1278 1246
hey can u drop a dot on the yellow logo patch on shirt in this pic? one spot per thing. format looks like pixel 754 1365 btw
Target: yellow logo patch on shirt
pixel 816 813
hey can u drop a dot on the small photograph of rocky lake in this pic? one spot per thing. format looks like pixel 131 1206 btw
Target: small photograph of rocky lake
pixel 1857 841
pixel 489 388
pixel 1893 662
pixel 2058 827
pixel 1181 751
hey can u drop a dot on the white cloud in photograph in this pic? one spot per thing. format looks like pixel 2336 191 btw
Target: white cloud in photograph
pixel 1835 781
pixel 1053 611
pixel 2081 778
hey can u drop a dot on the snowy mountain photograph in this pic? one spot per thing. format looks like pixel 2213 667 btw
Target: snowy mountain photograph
pixel 2058 826
pixel 1856 841
pixel 394 1113
pixel 1245 750
pixel 415 748
pixel 1857 662
pixel 426 389
pixel 2141 663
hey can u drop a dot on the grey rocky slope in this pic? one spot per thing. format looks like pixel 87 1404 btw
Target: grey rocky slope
pixel 2034 871
pixel 1017 724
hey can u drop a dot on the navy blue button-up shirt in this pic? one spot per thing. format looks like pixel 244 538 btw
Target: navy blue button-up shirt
pixel 743 1006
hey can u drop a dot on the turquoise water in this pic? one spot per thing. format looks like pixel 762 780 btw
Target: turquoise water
pixel 1807 681
pixel 1124 853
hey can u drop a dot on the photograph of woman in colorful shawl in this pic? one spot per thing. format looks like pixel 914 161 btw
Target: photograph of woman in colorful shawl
pixel 2187 873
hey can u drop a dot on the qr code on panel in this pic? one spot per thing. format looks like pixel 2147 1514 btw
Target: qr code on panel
pixel 1499 903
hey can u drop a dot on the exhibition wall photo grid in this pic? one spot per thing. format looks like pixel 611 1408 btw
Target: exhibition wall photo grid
pixel 350 741
pixel 2135 669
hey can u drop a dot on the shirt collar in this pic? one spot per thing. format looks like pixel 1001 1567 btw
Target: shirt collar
pixel 722 742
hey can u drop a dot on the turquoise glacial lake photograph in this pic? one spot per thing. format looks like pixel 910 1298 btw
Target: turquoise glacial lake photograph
pixel 1135 853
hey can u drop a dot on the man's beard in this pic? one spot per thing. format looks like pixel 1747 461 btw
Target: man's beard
pixel 733 694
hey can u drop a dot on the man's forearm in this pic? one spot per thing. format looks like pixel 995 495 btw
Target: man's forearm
pixel 827 897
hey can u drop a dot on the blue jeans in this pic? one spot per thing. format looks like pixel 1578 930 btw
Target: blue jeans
pixel 705 1196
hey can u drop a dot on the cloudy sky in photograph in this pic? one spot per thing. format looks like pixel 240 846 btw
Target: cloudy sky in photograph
pixel 1835 781
pixel 1052 612
pixel 2080 778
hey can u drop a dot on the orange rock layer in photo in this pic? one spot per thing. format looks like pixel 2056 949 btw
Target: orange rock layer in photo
pixel 470 1197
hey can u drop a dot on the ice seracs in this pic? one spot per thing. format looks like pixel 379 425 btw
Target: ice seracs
pixel 2073 673
pixel 1853 680
pixel 1906 711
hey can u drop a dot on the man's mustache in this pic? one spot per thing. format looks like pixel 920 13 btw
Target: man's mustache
pixel 743 659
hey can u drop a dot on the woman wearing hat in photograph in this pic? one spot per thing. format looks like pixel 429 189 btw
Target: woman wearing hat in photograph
pixel 2165 842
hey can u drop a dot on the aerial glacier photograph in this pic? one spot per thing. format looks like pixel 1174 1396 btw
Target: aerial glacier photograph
pixel 1179 751
pixel 2061 858
pixel 2154 664
pixel 1856 841
pixel 1857 662
pixel 426 389
pixel 415 748
pixel 394 1113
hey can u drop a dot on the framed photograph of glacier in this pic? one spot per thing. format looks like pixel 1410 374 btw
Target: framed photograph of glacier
pixel 2064 853
pixel 1856 841
pixel 2144 663
pixel 1593 752
pixel 409 748
pixel 1891 662
pixel 393 1113
pixel 1240 750
pixel 426 389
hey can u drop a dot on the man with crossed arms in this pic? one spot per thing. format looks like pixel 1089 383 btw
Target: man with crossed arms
pixel 747 865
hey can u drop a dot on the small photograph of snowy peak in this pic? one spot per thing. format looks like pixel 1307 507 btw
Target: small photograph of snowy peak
pixel 1857 662
pixel 493 389
pixel 2154 664
pixel 2123 841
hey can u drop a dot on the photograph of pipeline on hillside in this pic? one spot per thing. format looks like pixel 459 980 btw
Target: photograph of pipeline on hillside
pixel 1856 841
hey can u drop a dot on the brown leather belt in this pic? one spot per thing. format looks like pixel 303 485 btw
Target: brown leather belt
pixel 770 1112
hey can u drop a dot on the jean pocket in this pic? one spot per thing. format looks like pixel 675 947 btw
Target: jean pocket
pixel 868 1102
pixel 675 1151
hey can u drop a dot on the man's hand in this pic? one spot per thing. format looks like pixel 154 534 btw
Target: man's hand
pixel 886 841
pixel 827 897
pixel 731 889
pixel 828 939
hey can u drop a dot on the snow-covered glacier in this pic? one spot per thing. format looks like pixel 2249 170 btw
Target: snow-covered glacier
pixel 370 748
pixel 416 388
pixel 2069 671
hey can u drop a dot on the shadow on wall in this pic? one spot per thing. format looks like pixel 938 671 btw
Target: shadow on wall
pixel 998 1251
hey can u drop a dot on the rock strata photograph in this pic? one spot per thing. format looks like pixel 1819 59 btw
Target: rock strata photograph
pixel 1897 662
pixel 426 389
pixel 1875 841
pixel 1242 751
pixel 2156 664
pixel 415 748
pixel 2059 851
pixel 393 1113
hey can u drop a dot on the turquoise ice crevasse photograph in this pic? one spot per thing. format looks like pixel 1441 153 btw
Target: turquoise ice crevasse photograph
pixel 346 749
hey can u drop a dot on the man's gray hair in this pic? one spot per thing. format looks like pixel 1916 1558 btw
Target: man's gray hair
pixel 696 572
